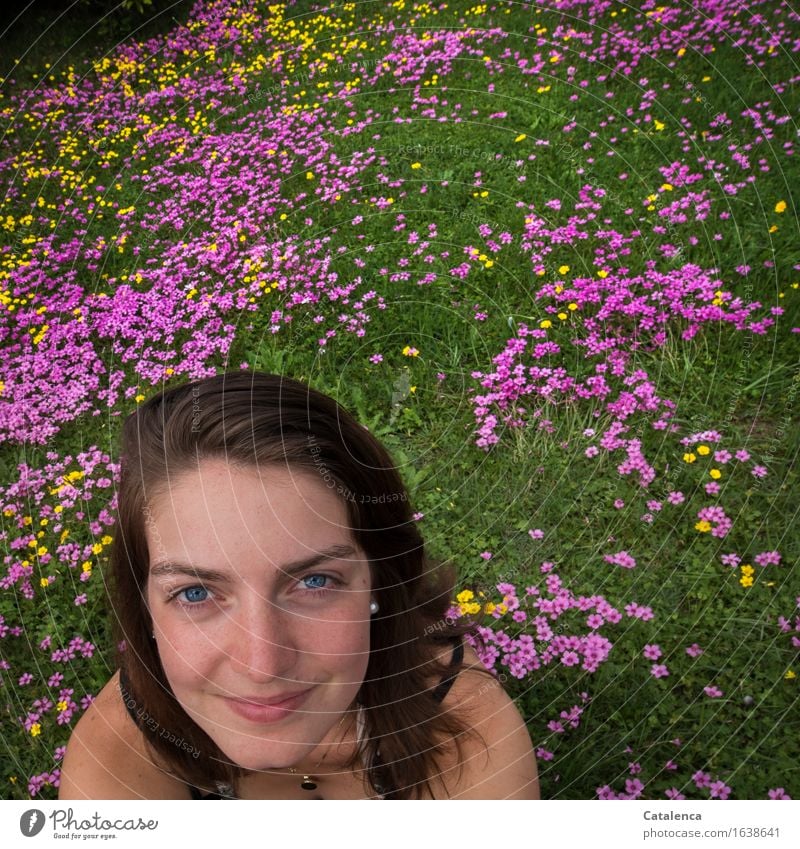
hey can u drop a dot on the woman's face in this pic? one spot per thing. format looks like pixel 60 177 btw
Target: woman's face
pixel 257 592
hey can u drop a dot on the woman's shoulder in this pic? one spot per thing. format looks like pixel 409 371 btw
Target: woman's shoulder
pixel 497 762
pixel 107 758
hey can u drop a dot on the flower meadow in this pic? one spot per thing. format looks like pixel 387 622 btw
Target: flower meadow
pixel 547 252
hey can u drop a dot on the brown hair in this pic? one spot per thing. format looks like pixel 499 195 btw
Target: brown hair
pixel 249 418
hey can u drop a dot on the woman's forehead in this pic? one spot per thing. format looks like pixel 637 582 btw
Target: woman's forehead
pixel 220 507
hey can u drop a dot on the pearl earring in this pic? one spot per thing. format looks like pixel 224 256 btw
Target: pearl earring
pixel 373 608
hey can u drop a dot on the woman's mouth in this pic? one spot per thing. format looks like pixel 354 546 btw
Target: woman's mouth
pixel 258 710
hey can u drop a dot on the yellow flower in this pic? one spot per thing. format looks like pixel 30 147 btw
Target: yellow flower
pixel 489 607
pixel 503 608
pixel 573 306
pixel 562 316
pixel 36 729
pixel 309 175
pixel 545 324
pixel 44 582
pixel 780 206
pixel 789 675
pixel 602 274
pixel 702 450
pixel 464 596
pixel 747 569
pixel 489 263
pixel 704 527
pixel 746 581
pixel 61 706
pixel 689 458
pixel 520 137
pixel 666 187
pixel 416 165
pixel 408 351
pixel 659 126
pixel 716 474
pixel 563 269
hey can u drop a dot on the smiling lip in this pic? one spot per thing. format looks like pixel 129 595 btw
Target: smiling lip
pixel 262 710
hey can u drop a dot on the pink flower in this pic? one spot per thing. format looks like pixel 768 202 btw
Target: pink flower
pixel 701 779
pixel 619 503
pixel 417 516
pixel 639 611
pixel 376 358
pixel 694 650
pixel 674 793
pixel 719 790
pixel 536 534
pixel 722 456
pixel 676 497
pixel 759 471
pixel 652 652
pixel 712 488
pixel 713 692
pixel 778 793
pixel 731 560
pixel 621 558
pixel 592 451
pixel 742 455
pixel 633 787
pixel 659 670
pixel 486 555
pixel 767 557
pixel 80 599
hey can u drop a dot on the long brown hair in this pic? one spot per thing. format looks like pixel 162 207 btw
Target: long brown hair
pixel 250 418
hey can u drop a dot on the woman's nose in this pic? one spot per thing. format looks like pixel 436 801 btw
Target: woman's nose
pixel 262 644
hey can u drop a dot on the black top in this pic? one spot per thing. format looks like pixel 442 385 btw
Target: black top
pixel 442 689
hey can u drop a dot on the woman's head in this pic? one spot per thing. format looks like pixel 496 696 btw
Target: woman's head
pixel 246 475
pixel 258 593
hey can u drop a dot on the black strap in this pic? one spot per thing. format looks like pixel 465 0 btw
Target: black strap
pixel 443 688
pixel 196 793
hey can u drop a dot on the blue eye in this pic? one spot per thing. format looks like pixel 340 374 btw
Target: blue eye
pixel 316 579
pixel 195 595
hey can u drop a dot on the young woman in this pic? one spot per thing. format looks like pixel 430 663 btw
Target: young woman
pixel 283 634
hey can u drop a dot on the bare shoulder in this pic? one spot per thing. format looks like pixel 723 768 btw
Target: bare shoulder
pixel 498 762
pixel 106 756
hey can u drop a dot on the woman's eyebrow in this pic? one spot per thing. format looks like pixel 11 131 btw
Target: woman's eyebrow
pixel 174 567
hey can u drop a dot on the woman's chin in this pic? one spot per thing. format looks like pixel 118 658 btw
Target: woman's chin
pixel 254 759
